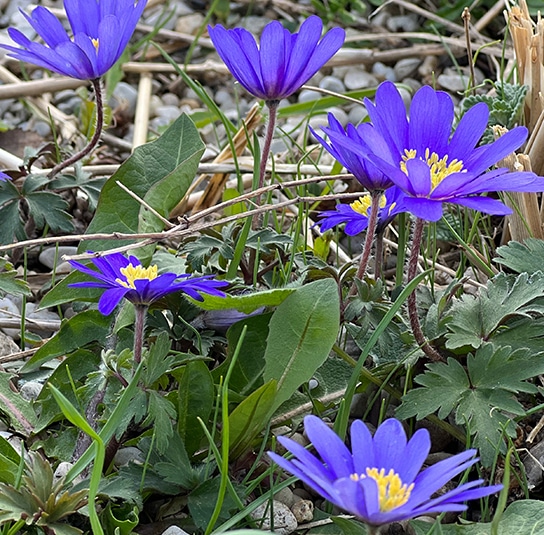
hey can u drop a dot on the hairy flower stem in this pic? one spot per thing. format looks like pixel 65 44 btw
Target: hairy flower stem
pixel 96 83
pixel 375 196
pixel 139 324
pixel 272 115
pixel 423 343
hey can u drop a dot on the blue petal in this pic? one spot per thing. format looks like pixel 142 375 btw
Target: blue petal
pixel 83 16
pixel 469 131
pixel 389 444
pixel 483 204
pixel 362 447
pixel 47 26
pixel 273 58
pixel 110 299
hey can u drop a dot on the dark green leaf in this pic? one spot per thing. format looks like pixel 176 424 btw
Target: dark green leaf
pixel 522 257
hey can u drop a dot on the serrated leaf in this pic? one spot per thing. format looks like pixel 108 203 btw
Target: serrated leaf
pixel 160 173
pixel 47 207
pixel 476 319
pixel 176 467
pixel 12 228
pixel 157 360
pixel 81 329
pixel 160 413
pixel 483 398
pixel 13 406
pixel 522 257
pixel 10 284
pixel 302 332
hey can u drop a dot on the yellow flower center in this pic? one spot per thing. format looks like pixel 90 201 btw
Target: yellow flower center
pixel 391 492
pixel 134 273
pixel 95 43
pixel 440 168
pixel 363 203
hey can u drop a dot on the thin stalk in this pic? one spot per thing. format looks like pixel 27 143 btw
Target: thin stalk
pixel 96 136
pixel 139 324
pixel 272 115
pixel 422 342
pixel 375 196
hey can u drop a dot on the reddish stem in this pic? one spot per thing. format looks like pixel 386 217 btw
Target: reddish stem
pixel 423 343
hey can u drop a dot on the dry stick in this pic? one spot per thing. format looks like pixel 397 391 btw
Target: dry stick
pixel 141 117
pixel 466 20
pixel 375 195
pixel 36 88
pixel 96 136
pixel 421 341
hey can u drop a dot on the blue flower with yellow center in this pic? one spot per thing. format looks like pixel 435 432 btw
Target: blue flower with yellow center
pixel 431 164
pixel 101 30
pixel 355 215
pixel 283 62
pixel 123 277
pixel 380 480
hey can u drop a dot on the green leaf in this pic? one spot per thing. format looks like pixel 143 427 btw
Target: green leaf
pixel 62 292
pixel 160 173
pixel 245 303
pixel 523 517
pixel 302 332
pixel 49 208
pixel 85 327
pixel 119 519
pixel 250 417
pixel 9 283
pixel 482 398
pixel 195 401
pixel 522 257
pixel 157 360
pixel 160 413
pixel 9 462
pixel 12 228
pixel 13 406
pixel 475 320
pixel 248 368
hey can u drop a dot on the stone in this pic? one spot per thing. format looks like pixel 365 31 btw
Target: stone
pixel 307 95
pixel 174 530
pixel 30 390
pixel 331 83
pixel 383 72
pixel 285 496
pixel 404 23
pixel 357 114
pixel 406 67
pixel 127 455
pixel 9 310
pixel 453 82
pixel 303 510
pixel 47 256
pixel 190 24
pixel 124 95
pixel 357 78
pixel 7 345
pixel 279 516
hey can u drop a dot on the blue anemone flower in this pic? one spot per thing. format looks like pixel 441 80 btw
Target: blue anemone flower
pixel 4 177
pixel 369 175
pixel 101 31
pixel 126 277
pixel 283 62
pixel 355 214
pixel 380 481
pixel 429 163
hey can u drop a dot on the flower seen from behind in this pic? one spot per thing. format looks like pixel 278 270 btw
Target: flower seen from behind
pixel 355 215
pixel 380 480
pixel 123 277
pixel 283 61
pixel 369 175
pixel 429 163
pixel 101 30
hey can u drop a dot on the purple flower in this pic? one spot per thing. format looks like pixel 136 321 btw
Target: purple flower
pixel 126 277
pixel 355 214
pixel 368 174
pixel 4 177
pixel 283 62
pixel 101 31
pixel 432 166
pixel 380 480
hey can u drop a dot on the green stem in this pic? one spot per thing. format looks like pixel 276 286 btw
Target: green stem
pixel 96 136
pixel 421 341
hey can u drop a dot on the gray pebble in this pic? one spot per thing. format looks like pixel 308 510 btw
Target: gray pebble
pixel 170 99
pixel 7 345
pixel 453 82
pixel 357 114
pixel 340 114
pixel 406 67
pixel 31 390
pixel 307 95
pixel 124 95
pixel 127 455
pixel 9 310
pixel 47 256
pixel 303 511
pixel 190 24
pixel 405 23
pixel 357 78
pixel 71 106
pixel 169 112
pixel 285 496
pixel 383 72
pixel 331 83
pixel 42 128
pixel 174 530
pixel 282 518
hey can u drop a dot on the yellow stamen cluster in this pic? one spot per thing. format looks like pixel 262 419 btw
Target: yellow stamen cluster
pixel 440 168
pixel 95 43
pixel 363 203
pixel 134 273
pixel 391 492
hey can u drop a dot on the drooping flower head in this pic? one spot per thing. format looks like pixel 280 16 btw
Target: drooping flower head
pixel 126 277
pixel 101 30
pixel 355 215
pixel 380 480
pixel 429 163
pixel 368 174
pixel 283 62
